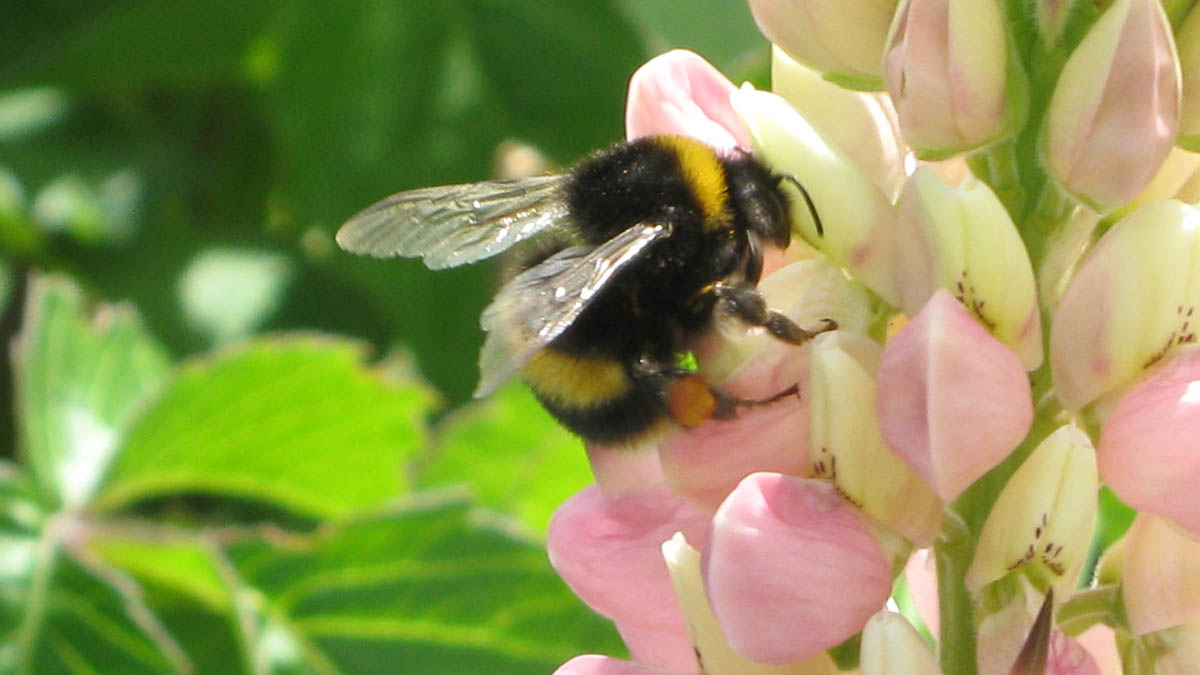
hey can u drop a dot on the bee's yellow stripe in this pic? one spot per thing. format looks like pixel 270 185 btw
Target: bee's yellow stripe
pixel 575 381
pixel 704 174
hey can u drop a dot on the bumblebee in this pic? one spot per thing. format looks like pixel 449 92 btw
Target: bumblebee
pixel 637 248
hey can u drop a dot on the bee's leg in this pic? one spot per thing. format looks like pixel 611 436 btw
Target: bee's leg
pixel 728 404
pixel 691 401
pixel 749 306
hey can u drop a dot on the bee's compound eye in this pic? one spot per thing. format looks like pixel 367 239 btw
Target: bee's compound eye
pixel 690 400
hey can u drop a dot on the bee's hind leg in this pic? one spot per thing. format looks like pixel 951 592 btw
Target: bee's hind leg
pixel 748 305
pixel 691 401
pixel 728 404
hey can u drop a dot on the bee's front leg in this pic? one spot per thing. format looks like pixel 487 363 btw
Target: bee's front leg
pixel 748 305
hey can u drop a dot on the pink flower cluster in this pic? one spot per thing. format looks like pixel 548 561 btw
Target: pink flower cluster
pixel 803 511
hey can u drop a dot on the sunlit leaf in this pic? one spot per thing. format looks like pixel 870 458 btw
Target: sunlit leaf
pixel 430 588
pixel 512 454
pixel 20 521
pixel 79 379
pixel 77 623
pixel 297 422
pixel 182 564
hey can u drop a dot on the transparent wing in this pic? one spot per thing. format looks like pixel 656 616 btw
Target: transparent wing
pixel 540 303
pixel 457 224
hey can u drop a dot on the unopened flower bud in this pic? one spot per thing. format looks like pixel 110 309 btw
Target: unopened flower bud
pixel 891 646
pixel 949 69
pixel 1132 303
pixel 842 40
pixel 1115 109
pixel 963 240
pixel 712 649
pixel 631 587
pixel 864 125
pixel 1041 524
pixel 856 219
pixel 847 446
pixel 953 401
pixel 1160 583
pixel 792 570
pixel 1148 452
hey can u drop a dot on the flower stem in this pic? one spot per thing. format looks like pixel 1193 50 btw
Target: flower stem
pixel 953 551
pixel 1088 608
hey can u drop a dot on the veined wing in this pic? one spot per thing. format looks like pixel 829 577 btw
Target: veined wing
pixel 453 225
pixel 541 302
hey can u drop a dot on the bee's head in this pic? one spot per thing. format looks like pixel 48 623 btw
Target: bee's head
pixel 760 205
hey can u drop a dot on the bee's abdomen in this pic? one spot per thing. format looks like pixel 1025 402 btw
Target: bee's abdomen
pixel 594 396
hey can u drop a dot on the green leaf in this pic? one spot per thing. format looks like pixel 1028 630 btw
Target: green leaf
pixel 78 382
pixel 512 453
pixel 20 521
pixel 429 588
pixel 297 422
pixel 180 564
pixel 77 623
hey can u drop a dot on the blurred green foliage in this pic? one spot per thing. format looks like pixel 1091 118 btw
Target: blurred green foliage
pixel 226 446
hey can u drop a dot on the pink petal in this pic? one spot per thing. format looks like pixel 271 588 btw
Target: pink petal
pixel 622 472
pixel 921 575
pixel 1101 643
pixel 705 464
pixel 1149 450
pixel 609 552
pixel 953 400
pixel 681 93
pixel 792 569
pixel 592 664
pixel 1068 657
pixel 1160 579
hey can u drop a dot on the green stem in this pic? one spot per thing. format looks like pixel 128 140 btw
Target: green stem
pixel 955 548
pixel 953 551
pixel 1088 608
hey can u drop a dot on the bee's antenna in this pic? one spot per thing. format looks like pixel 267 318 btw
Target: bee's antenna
pixel 812 208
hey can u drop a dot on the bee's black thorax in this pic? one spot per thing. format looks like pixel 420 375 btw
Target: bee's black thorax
pixel 720 211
